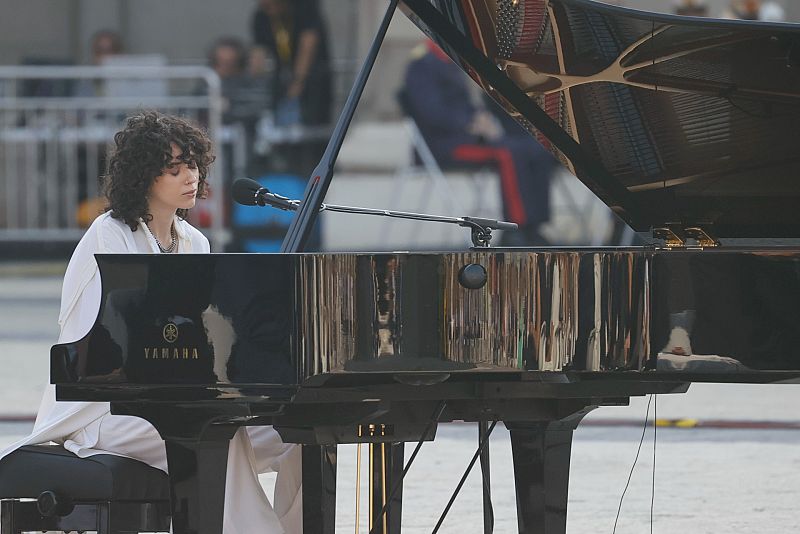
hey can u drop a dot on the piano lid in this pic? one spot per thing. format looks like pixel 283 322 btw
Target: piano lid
pixel 669 120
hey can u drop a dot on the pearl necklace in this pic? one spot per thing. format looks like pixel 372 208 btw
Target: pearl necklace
pixel 172 245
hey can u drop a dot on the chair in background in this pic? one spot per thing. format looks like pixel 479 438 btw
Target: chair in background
pixel 423 163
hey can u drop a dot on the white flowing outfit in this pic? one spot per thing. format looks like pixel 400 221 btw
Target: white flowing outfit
pixel 88 428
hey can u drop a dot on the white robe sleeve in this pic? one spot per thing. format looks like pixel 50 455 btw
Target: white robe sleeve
pixel 80 304
pixel 80 294
pixel 205 246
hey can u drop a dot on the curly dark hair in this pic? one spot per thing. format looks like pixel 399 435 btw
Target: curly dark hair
pixel 143 150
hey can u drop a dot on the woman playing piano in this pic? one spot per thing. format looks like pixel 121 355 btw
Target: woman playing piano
pixel 156 173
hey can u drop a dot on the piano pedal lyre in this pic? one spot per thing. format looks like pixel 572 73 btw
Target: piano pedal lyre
pixel 374 433
pixel 374 430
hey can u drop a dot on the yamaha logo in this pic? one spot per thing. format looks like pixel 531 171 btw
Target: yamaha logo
pixel 171 332
pixel 170 335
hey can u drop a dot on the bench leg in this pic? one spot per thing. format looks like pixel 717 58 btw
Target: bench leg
pixel 197 459
pixel 7 518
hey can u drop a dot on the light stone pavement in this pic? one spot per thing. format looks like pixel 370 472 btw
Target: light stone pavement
pixel 707 481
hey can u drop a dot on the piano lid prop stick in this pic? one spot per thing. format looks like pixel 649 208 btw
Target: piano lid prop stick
pixel 300 228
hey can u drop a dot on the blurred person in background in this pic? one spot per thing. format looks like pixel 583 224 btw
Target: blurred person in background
pixel 245 98
pixel 105 43
pixel 243 89
pixel 156 172
pixel 102 45
pixel 461 133
pixel 228 58
pixel 293 33
pixel 755 10
pixel 743 9
pixel 691 8
pixel 772 12
pixel 259 63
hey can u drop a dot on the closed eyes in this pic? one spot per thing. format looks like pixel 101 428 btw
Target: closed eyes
pixel 175 168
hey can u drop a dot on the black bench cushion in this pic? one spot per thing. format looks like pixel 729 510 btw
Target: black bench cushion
pixel 30 470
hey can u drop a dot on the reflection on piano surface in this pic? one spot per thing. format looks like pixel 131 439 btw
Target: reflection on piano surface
pixel 314 317
pixel 685 127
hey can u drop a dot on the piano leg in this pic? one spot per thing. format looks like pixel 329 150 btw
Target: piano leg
pixel 541 455
pixel 197 473
pixel 386 468
pixel 319 489
pixel 197 459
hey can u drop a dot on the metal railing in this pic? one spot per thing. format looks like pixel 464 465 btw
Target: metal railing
pixel 56 124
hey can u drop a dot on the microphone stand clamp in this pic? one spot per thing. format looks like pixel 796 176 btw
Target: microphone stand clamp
pixel 481 236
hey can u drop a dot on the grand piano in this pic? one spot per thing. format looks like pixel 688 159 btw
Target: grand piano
pixel 684 127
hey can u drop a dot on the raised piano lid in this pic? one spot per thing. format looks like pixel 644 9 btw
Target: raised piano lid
pixel 669 120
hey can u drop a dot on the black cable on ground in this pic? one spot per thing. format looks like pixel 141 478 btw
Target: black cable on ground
pixel 487 490
pixel 475 457
pixel 655 436
pixel 635 460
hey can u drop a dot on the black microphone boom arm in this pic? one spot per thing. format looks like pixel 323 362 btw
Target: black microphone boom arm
pixel 481 228
pixel 251 193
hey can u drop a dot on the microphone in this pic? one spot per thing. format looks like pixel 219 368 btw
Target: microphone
pixel 251 193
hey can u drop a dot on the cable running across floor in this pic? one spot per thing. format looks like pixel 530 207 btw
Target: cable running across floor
pixel 633 467
pixel 655 436
pixel 481 446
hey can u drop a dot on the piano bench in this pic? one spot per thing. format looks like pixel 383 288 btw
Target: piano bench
pixel 47 488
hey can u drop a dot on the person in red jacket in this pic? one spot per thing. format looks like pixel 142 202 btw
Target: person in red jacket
pixel 461 133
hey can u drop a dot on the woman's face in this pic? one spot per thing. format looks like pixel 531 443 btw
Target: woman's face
pixel 176 188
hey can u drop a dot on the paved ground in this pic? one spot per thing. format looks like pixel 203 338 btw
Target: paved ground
pixel 707 481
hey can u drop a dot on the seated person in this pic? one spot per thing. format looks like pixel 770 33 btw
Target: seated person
pixel 691 8
pixel 104 44
pixel 743 9
pixel 156 173
pixel 461 133
pixel 245 93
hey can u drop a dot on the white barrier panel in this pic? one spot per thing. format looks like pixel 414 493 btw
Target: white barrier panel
pixel 56 124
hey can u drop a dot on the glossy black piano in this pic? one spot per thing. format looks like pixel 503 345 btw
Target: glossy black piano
pixel 685 127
